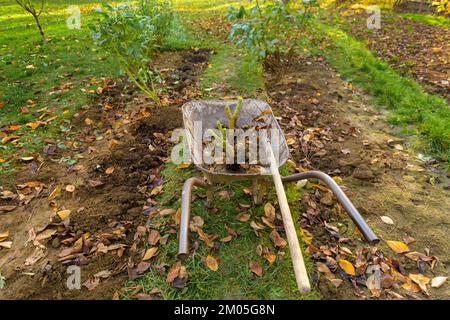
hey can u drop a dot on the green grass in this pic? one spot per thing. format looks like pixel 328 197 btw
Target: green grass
pixel 69 57
pixel 440 21
pixel 418 113
pixel 234 279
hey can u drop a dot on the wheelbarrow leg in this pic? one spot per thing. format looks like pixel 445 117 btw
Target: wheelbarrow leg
pixel 259 188
pixel 186 198
pixel 342 198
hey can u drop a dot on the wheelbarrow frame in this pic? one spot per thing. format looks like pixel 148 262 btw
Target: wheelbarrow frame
pixel 211 179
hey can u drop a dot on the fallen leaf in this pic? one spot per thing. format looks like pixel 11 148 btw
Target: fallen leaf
pixel 277 240
pixel 420 280
pixel 270 257
pixel 150 253
pixel 70 188
pixel 347 267
pixel 55 193
pixel 109 170
pixel 256 268
pixel 269 211
pixel 33 125
pixel 436 282
pixel 211 263
pixel 7 208
pixel 95 183
pixel 243 217
pixel 306 236
pixel 88 121
pixel 4 236
pixel 6 244
pixel 154 237
pixel 167 212
pixel 63 214
pixel 397 246
pixel 387 220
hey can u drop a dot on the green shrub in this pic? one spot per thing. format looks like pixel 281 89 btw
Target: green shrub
pixel 133 35
pixel 270 28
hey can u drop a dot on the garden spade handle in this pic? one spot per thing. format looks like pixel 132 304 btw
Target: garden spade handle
pixel 294 247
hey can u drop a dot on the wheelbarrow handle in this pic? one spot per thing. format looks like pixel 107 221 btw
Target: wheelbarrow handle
pixel 341 197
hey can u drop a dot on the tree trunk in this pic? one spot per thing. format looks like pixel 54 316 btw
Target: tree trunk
pixel 40 28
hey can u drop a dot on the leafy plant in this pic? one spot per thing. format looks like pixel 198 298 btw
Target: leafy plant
pixel 35 8
pixel 270 28
pixel 133 35
pixel 161 15
pixel 442 6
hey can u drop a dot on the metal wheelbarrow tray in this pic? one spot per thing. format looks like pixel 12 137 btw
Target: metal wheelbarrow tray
pixel 208 113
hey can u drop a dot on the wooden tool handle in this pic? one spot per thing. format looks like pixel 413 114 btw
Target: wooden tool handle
pixel 296 254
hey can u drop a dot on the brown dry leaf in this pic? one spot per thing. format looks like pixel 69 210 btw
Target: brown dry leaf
pixel 256 268
pixel 55 193
pixel 409 239
pixel 415 256
pixel 347 267
pixel 88 121
pixel 436 282
pixel 7 208
pixel 95 183
pixel 37 255
pixel 243 217
pixel 196 222
pixel 397 246
pixel 173 272
pixel 226 239
pixel 167 212
pixel 211 263
pixel 277 240
pixel 270 257
pixel 336 282
pixel 112 144
pixel 150 253
pixel 268 223
pixel 6 244
pixel 109 170
pixel 46 234
pixel 327 199
pixel 154 237
pixel 4 236
pixel 63 214
pixel 70 188
pixel 256 226
pixel 269 211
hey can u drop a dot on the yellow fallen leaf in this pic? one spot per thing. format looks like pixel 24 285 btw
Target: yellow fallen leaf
pixel 150 253
pixel 211 263
pixel 88 121
pixel 33 125
pixel 4 236
pixel 109 170
pixel 55 194
pixel 306 236
pixel 184 165
pixel 397 246
pixel 347 267
pixel 420 280
pixel 270 257
pixel 9 138
pixel 80 239
pixel 63 214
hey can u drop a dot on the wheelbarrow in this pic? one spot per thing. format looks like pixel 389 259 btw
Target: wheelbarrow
pixel 276 152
